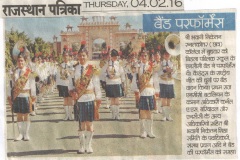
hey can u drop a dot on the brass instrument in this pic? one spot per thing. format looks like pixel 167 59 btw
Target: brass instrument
pixel 111 72
pixel 172 44
pixel 64 73
pixel 167 76
pixel 143 80
pixel 102 63
pixel 17 49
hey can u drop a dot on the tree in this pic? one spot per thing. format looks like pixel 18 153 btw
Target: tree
pixel 153 40
pixel 12 37
pixel 40 45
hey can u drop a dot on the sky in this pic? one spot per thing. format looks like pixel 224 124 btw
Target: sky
pixel 46 28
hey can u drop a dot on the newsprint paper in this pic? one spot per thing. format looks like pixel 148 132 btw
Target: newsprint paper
pixel 111 79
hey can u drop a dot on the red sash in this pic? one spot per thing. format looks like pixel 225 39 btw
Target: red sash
pixel 145 78
pixel 81 85
pixel 20 83
pixel 83 82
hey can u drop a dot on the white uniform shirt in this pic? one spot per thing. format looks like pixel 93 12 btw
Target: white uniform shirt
pixel 125 66
pixel 49 68
pixel 134 73
pixel 165 64
pixel 93 85
pixel 149 91
pixel 71 70
pixel 32 66
pixel 119 73
pixel 65 82
pixel 40 71
pixel 55 68
pixel 44 71
pixel 30 85
pixel 103 72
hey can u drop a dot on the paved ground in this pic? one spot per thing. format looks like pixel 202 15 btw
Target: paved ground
pixel 53 137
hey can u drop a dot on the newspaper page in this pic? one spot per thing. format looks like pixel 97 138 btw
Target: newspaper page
pixel 116 79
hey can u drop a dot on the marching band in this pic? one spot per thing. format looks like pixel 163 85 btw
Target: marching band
pixel 150 76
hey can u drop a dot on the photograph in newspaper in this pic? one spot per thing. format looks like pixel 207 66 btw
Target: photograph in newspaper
pixel 122 85
pixel 124 128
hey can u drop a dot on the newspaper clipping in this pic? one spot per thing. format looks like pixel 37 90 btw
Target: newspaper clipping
pixel 118 79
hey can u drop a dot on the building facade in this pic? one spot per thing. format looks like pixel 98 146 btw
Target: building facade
pixel 99 29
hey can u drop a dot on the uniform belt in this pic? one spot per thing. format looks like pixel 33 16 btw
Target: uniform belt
pixel 88 92
pixel 165 78
pixel 115 77
pixel 25 91
pixel 148 86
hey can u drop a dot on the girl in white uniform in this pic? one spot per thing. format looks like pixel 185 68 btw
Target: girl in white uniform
pixel 115 78
pixel 86 91
pixel 62 82
pixel 147 85
pixel 166 83
pixel 24 93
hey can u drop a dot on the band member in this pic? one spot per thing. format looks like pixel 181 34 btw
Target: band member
pixel 40 70
pixel 134 64
pixel 167 85
pixel 53 72
pixel 132 61
pixel 44 74
pixel 63 80
pixel 103 65
pixel 115 78
pixel 147 84
pixel 32 66
pixel 87 93
pixel 124 63
pixel 23 94
pixel 156 69
pixel 48 77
